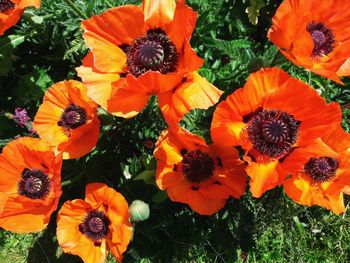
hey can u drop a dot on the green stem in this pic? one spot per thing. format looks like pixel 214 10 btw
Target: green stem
pixel 309 77
pixel 73 180
pixel 109 3
pixel 76 9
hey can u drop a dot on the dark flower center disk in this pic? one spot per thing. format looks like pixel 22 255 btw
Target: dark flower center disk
pixel 154 52
pixel 321 169
pixel 272 132
pixel 95 225
pixel 34 184
pixel 6 5
pixel 197 166
pixel 323 38
pixel 73 117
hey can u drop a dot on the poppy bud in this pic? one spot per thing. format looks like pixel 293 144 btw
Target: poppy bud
pixel 139 211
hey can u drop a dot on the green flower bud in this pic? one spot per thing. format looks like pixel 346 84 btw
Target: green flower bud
pixel 139 211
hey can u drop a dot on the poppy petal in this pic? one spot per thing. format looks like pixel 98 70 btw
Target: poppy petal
pixel 182 25
pixel 195 93
pixel 127 21
pixel 263 177
pixel 124 102
pixel 158 13
pixel 98 85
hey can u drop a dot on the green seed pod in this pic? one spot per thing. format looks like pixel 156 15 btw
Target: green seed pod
pixel 139 211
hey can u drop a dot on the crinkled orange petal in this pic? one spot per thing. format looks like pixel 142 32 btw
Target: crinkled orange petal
pixel 97 193
pixel 232 175
pixel 98 84
pixel 119 25
pixel 195 93
pixel 263 177
pixel 189 61
pixel 158 13
pixel 82 140
pixel 302 191
pixel 154 82
pixel 184 194
pixel 166 176
pixel 71 240
pixel 108 57
pixel 172 141
pixel 344 69
pixel 27 3
pixel 182 25
pixel 124 102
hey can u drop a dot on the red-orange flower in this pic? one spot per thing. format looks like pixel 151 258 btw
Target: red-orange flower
pixel 322 171
pixel 30 185
pixel 140 51
pixel 90 228
pixel 11 11
pixel 192 172
pixel 68 119
pixel 314 35
pixel 270 117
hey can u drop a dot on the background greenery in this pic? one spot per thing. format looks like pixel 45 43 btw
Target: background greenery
pixel 46 47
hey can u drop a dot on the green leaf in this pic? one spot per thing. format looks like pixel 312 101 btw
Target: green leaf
pixel 147 176
pixel 254 9
pixel 159 197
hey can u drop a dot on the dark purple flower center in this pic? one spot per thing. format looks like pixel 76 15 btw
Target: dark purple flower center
pixel 322 169
pixel 272 132
pixel 73 117
pixel 34 184
pixel 323 38
pixel 197 166
pixel 6 5
pixel 95 226
pixel 152 52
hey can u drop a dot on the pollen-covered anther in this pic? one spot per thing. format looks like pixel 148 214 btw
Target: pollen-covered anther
pixel 272 132
pixel 322 37
pixel 322 169
pixel 6 5
pixel 197 166
pixel 73 117
pixel 34 184
pixel 152 52
pixel 95 225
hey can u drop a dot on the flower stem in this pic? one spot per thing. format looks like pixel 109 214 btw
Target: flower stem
pixel 73 180
pixel 76 9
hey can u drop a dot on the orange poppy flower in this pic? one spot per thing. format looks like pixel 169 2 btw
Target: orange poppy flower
pixel 90 228
pixel 314 35
pixel 192 172
pixel 323 170
pixel 67 119
pixel 270 117
pixel 11 11
pixel 140 51
pixel 30 185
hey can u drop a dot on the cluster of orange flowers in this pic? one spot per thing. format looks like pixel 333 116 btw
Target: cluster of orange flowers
pixel 289 134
